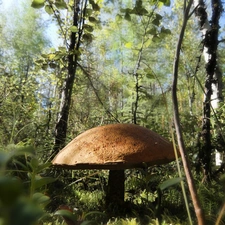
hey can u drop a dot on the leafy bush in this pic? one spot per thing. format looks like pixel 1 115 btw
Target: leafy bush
pixel 22 198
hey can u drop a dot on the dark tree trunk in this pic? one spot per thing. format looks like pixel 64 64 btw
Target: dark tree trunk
pixel 115 192
pixel 206 147
pixel 66 94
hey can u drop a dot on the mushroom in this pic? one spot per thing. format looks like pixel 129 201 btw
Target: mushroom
pixel 115 147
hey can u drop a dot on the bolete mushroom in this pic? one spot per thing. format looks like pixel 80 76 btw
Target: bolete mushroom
pixel 115 147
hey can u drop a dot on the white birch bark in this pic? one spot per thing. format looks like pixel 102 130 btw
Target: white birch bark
pixel 216 85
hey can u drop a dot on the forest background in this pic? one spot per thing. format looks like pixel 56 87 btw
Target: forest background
pixel 66 67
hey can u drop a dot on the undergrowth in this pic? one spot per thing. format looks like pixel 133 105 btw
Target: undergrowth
pixel 80 198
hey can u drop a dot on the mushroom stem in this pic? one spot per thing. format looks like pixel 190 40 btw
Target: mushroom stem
pixel 115 191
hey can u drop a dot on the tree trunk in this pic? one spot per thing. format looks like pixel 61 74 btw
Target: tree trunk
pixel 213 81
pixel 66 94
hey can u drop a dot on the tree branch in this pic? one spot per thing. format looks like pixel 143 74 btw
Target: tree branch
pixel 196 203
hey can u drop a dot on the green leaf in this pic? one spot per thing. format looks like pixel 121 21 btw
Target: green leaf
pixel 92 19
pixel 88 37
pixel 62 49
pixel 34 164
pixel 39 61
pixel 157 19
pixel 165 2
pixel 51 56
pixel 128 45
pixel 119 18
pixel 127 10
pixel 44 56
pixel 52 65
pixel 48 9
pixel 95 7
pixel 44 66
pixel 156 38
pixel 152 30
pixel 21 150
pixel 88 28
pixel 37 4
pixel 60 4
pixel 165 31
pixel 75 52
pixel 147 43
pixel 43 166
pixel 66 214
pixel 127 17
pixel 74 29
pixel 140 11
pixel 41 181
pixel 89 12
pixel 170 182
pixel 40 198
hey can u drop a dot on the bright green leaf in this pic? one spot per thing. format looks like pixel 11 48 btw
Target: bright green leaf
pixel 170 182
pixel 156 38
pixel 147 43
pixel 128 45
pixel 51 56
pixel 119 18
pixel 48 9
pixel 74 29
pixel 60 4
pixel 37 4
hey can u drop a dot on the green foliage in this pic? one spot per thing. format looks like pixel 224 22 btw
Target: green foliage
pixel 38 3
pixel 19 203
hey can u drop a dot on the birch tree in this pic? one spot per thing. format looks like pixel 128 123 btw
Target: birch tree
pixel 213 79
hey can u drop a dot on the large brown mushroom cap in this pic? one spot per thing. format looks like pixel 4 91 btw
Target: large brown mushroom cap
pixel 115 146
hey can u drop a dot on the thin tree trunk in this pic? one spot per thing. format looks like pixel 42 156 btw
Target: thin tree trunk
pixel 67 89
pixel 213 81
pixel 186 164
